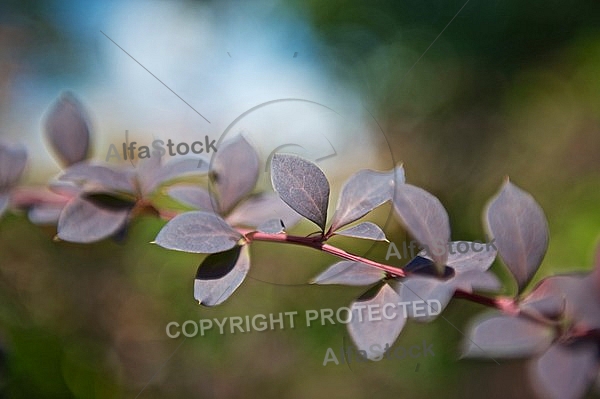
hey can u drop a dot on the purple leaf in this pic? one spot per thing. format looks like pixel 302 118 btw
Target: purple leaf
pixel 64 188
pixel 67 129
pixel 366 230
pixel 273 226
pixel 234 172
pixel 349 273
pixel 301 185
pixel 220 275
pixel 424 266
pixel 478 256
pixel 582 300
pixel 370 329
pixel 549 306
pixel 520 229
pixel 197 232
pixel 260 208
pixel 12 164
pixel 565 372
pixel 45 214
pixel 425 219
pixel 109 200
pixel 470 266
pixel 363 192
pixel 146 173
pixel 192 196
pixel 427 297
pixel 97 177
pixel 496 335
pixel 83 221
pixel 147 168
pixel 476 280
pixel 153 177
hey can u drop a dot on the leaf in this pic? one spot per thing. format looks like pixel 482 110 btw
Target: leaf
pixel 192 196
pixel 519 226
pixel 273 226
pixel 420 294
pixel 67 129
pixel 371 332
pixel 478 256
pixel 146 170
pixel 565 372
pixel 473 277
pixel 423 266
pixel 582 300
pixel 495 335
pixel 551 306
pixel 366 230
pixel 44 214
pixel 363 192
pixel 470 266
pixel 349 273
pixel 549 297
pixel 234 172
pixel 13 160
pixel 220 274
pixel 260 208
pixel 97 177
pixel 476 280
pixel 83 221
pixel 197 232
pixel 301 185
pixel 66 189
pixel 109 201
pixel 425 219
pixel 152 178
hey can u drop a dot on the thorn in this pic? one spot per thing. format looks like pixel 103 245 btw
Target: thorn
pixel 417 369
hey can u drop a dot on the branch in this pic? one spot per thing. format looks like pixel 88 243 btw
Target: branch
pixel 23 197
pixel 504 304
pixel 317 243
pixel 480 299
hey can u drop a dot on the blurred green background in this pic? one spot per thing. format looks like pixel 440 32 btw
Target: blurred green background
pixel 509 88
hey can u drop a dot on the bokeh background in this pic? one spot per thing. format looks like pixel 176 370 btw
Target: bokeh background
pixel 508 88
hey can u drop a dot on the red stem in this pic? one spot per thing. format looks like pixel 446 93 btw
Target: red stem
pixel 317 243
pixel 27 196
pixel 506 305
pixel 480 299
